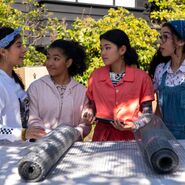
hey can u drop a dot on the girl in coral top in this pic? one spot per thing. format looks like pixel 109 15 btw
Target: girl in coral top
pixel 118 91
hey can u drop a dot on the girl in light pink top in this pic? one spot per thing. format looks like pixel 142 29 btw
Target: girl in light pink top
pixel 57 98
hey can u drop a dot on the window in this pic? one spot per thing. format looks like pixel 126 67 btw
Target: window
pixel 69 0
pixel 102 2
pixel 123 3
pixel 126 3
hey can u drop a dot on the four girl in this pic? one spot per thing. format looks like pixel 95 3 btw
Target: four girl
pixel 119 91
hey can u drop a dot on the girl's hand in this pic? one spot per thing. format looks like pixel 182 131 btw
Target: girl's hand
pixel 123 125
pixel 88 117
pixel 88 113
pixel 35 132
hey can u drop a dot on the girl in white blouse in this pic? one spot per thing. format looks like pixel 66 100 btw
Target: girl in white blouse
pixel 169 77
pixel 13 99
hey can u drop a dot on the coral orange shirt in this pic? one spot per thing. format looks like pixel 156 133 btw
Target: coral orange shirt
pixel 121 102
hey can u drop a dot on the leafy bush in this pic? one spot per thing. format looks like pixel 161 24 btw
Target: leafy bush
pixel 167 10
pixel 37 24
pixel 87 32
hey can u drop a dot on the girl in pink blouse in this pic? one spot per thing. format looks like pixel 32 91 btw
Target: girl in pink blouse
pixel 57 98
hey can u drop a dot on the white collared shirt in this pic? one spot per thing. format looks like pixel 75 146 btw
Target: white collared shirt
pixel 172 78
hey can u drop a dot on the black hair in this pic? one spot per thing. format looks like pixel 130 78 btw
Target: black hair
pixel 72 50
pixel 120 38
pixel 156 60
pixel 41 49
pixel 18 79
pixel 4 31
pixel 172 29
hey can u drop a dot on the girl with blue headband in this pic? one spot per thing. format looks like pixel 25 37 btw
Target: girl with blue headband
pixel 169 77
pixel 13 99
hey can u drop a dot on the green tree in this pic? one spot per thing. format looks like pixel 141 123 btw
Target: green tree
pixel 38 27
pixel 8 15
pixel 87 32
pixel 167 10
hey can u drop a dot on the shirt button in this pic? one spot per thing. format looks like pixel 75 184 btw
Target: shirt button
pixel 116 103
pixel 117 90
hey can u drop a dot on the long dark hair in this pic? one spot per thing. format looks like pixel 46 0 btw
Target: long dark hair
pixel 4 31
pixel 120 38
pixel 158 58
pixel 75 51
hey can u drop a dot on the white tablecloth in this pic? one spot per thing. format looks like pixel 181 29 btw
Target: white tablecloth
pixel 94 163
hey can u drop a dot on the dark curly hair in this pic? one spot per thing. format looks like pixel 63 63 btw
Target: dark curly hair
pixel 75 51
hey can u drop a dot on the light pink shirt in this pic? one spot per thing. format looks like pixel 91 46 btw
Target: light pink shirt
pixel 47 111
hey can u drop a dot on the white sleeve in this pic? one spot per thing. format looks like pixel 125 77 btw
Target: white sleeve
pixel 158 75
pixel 7 133
pixel 10 134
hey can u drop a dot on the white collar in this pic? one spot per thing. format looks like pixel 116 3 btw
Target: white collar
pixel 169 69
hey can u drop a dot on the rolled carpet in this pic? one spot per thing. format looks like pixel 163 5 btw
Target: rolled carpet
pixel 161 155
pixel 44 154
pixel 155 143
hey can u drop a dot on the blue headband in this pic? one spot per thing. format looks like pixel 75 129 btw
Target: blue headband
pixel 179 26
pixel 6 40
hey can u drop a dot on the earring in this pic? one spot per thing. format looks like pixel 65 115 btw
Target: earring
pixel 181 44
pixel 5 58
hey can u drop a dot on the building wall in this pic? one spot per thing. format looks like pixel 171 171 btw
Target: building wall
pixel 69 10
pixel 30 74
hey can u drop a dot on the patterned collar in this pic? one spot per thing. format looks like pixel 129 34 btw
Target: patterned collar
pixel 104 73
pixel 169 69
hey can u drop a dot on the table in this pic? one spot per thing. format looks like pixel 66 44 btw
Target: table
pixel 93 163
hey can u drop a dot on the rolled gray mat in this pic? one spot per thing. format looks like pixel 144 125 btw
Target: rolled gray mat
pixel 161 155
pixel 44 154
pixel 154 141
